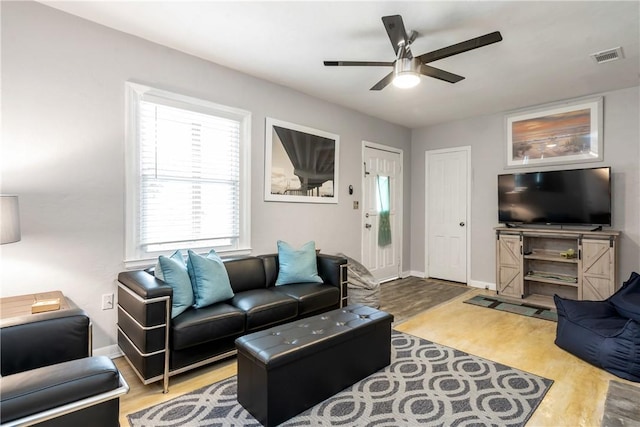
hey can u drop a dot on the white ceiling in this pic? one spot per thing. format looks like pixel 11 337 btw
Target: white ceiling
pixel 544 56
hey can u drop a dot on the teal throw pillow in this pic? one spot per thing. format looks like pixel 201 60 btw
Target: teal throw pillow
pixel 173 271
pixel 297 265
pixel 209 279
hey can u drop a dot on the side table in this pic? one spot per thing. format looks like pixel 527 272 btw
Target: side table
pixel 21 305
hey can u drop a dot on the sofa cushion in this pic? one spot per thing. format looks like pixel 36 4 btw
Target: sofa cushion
pixel 627 299
pixel 311 297
pixel 197 326
pixel 209 279
pixel 173 271
pixel 246 273
pixel 297 265
pixel 265 307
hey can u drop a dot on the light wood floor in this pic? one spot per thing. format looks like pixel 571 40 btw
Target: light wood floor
pixel 575 399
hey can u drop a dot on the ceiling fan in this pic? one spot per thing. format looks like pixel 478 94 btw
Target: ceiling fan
pixel 407 68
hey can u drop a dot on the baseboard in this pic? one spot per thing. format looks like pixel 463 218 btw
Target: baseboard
pixel 482 285
pixel 413 273
pixel 472 283
pixel 111 351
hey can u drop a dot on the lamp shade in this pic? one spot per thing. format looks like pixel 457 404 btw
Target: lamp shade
pixel 9 219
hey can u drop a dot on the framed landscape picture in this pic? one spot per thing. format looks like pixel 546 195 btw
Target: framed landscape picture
pixel 301 164
pixel 562 133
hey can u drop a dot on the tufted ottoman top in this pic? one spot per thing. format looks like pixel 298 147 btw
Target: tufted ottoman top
pixel 279 345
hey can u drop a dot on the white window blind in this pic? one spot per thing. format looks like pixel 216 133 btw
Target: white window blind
pixel 189 175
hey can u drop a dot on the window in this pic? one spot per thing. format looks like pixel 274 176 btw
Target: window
pixel 187 175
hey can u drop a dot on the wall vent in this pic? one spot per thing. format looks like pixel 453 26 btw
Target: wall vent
pixel 607 55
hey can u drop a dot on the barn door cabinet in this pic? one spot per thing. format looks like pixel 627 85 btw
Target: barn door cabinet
pixel 535 264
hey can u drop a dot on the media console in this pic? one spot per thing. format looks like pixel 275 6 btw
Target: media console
pixel 534 264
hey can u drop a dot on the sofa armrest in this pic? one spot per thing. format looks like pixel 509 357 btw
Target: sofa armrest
pixel 34 341
pixel 59 389
pixel 329 267
pixel 144 284
pixel 144 316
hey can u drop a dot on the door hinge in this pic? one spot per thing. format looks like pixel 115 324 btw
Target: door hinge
pixel 365 170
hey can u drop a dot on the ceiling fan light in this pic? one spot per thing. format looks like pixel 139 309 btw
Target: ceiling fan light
pixel 405 73
pixel 406 80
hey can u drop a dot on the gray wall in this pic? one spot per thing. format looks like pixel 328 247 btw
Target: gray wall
pixel 63 152
pixel 486 137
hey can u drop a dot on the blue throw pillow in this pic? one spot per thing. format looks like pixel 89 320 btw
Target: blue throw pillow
pixel 627 299
pixel 173 271
pixel 209 279
pixel 297 266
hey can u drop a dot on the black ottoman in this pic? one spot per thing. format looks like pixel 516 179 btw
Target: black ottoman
pixel 287 369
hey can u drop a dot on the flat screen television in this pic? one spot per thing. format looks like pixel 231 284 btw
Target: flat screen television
pixel 571 197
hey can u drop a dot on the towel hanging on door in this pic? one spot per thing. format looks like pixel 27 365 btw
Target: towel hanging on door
pixel 384 208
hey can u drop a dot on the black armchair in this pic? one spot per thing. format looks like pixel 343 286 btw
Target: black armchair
pixel 49 377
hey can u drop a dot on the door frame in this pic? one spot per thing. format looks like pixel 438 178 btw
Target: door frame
pixel 428 154
pixel 399 216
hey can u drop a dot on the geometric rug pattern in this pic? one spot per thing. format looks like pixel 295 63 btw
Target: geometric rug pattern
pixel 426 384
pixel 514 307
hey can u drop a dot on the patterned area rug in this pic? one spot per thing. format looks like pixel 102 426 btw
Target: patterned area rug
pixel 514 307
pixel 426 384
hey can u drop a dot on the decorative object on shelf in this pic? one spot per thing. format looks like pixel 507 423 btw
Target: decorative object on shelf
pixel 41 306
pixel 569 253
pixel 560 133
pixel 9 219
pixel 301 163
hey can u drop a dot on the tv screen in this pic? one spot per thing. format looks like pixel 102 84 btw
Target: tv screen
pixel 576 197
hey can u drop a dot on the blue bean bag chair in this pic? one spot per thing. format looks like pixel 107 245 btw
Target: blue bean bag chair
pixel 604 333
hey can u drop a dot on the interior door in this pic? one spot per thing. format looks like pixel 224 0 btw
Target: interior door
pixel 447 173
pixel 382 212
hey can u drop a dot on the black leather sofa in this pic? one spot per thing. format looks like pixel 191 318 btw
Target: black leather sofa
pixel 158 347
pixel 48 377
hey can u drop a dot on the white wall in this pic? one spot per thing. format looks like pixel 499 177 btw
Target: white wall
pixel 63 152
pixel 486 137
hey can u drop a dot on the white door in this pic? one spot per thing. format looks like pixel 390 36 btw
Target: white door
pixel 447 174
pixel 382 196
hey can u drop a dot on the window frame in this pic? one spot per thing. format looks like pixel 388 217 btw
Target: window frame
pixel 135 255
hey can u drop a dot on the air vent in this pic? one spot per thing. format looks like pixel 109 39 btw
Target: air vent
pixel 608 55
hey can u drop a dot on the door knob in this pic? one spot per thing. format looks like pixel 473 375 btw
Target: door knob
pixel 461 223
pixel 367 226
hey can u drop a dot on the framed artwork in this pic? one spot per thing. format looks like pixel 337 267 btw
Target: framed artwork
pixel 570 132
pixel 301 164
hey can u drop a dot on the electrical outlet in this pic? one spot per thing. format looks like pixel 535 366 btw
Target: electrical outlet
pixel 107 301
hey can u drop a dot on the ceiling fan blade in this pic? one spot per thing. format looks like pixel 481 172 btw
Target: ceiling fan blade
pixel 395 30
pixel 439 74
pixel 383 83
pixel 358 64
pixel 457 48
